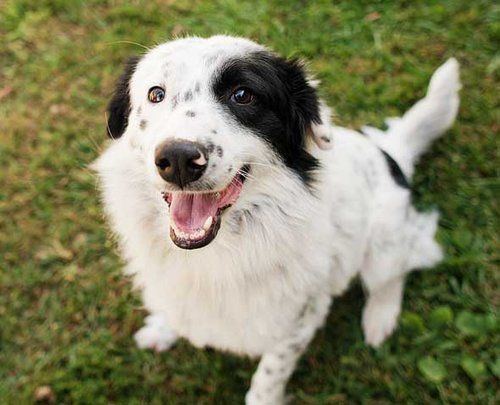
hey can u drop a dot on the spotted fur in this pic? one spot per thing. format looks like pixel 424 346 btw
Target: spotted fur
pixel 320 204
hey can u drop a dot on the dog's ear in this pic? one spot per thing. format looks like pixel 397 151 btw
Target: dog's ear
pixel 312 114
pixel 119 105
pixel 305 104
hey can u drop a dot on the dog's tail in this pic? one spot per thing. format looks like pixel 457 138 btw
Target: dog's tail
pixel 409 136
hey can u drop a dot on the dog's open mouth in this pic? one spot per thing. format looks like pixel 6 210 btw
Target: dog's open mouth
pixel 195 217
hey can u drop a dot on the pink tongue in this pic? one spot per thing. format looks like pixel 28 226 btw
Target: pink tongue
pixel 190 211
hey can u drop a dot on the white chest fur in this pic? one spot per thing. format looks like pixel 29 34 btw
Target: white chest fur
pixel 242 299
pixel 244 290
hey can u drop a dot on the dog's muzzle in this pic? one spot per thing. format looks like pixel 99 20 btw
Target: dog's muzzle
pixel 195 217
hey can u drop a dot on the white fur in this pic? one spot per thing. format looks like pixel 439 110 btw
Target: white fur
pixel 156 334
pixel 264 285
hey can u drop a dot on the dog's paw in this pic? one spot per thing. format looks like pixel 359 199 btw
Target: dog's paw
pixel 379 321
pixel 156 334
pixel 254 397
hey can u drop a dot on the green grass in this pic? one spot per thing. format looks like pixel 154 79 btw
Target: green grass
pixel 67 315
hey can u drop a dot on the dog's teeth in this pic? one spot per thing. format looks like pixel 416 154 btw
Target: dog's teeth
pixel 195 235
pixel 208 223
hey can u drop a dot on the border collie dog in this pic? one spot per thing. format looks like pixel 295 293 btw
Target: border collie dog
pixel 241 210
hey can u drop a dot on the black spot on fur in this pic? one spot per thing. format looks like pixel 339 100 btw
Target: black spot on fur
pixel 220 151
pixel 190 113
pixel 210 147
pixel 268 371
pixel 396 172
pixel 214 131
pixel 237 222
pixel 119 106
pixel 295 347
pixel 143 124
pixel 303 310
pixel 175 101
pixel 325 139
pixel 285 105
pixel 188 95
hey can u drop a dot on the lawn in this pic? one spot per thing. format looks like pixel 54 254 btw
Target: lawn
pixel 67 315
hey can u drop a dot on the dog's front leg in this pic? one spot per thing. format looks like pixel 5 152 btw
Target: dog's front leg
pixel 273 372
pixel 277 365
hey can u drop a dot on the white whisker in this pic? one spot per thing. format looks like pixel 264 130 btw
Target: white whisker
pixel 129 43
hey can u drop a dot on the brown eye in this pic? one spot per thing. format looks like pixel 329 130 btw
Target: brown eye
pixel 242 95
pixel 156 94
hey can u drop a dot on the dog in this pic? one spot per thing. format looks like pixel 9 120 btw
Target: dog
pixel 241 209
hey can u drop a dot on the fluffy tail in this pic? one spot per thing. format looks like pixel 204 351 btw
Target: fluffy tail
pixel 411 135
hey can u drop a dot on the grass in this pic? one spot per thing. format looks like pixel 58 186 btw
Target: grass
pixel 67 314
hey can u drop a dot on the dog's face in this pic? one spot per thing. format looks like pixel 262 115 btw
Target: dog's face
pixel 209 116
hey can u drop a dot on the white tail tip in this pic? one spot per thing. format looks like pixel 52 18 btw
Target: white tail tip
pixel 445 79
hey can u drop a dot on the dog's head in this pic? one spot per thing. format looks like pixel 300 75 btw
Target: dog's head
pixel 209 116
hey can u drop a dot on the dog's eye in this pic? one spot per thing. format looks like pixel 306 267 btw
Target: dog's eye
pixel 242 95
pixel 156 94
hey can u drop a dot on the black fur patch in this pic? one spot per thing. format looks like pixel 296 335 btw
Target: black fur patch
pixel 396 172
pixel 285 105
pixel 119 106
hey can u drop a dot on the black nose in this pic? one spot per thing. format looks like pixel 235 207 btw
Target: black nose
pixel 180 162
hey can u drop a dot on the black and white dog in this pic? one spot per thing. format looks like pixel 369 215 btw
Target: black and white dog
pixel 242 210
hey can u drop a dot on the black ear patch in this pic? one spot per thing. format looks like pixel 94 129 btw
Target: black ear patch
pixel 285 106
pixel 119 106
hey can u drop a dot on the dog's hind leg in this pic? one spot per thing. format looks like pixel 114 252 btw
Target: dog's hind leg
pixel 403 240
pixel 155 334
pixel 277 365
